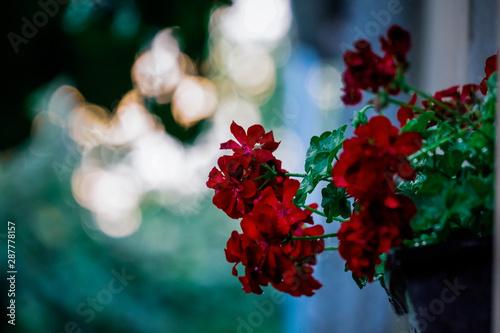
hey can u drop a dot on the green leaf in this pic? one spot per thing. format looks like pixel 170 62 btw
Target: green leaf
pixel 431 217
pixel 322 151
pixel 450 163
pixel 307 185
pixel 335 202
pixel 432 185
pixel 360 282
pixel 457 200
pixel 319 159
pixel 483 186
pixel 478 141
pixel 418 124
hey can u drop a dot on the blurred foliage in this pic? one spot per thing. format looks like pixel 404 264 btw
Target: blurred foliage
pixel 181 282
pixel 93 42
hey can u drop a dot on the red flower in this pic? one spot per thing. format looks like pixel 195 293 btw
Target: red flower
pixel 251 167
pixel 265 250
pixel 305 249
pixel 365 71
pixel 368 71
pixel 371 158
pixel 298 281
pixel 490 67
pixel 268 260
pixel 356 247
pixel 271 203
pixel 396 210
pixel 255 143
pixel 397 43
pixel 406 113
pixel 255 172
pixel 232 195
pixel 378 227
pixel 234 250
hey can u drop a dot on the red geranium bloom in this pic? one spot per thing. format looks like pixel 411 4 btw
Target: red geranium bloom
pixel 368 71
pixel 232 195
pixel 267 260
pixel 357 247
pixel 298 281
pixel 256 170
pixel 490 67
pixel 263 247
pixel 365 71
pixel 378 227
pixel 371 158
pixel 234 250
pixel 397 210
pixel 255 143
pixel 397 43
pixel 305 249
pixel 281 205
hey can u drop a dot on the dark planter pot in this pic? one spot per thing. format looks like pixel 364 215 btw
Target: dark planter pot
pixel 442 287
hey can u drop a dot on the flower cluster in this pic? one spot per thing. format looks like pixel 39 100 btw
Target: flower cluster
pixel 367 168
pixel 250 184
pixel 239 177
pixel 448 141
pixel 368 71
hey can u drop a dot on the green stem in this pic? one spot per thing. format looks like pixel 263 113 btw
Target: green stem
pixel 331 248
pixel 269 168
pixel 302 175
pixel 260 177
pixel 322 214
pixel 314 237
pixel 406 105
pixel 327 178
pixel 369 106
pixel 314 210
pixel 263 184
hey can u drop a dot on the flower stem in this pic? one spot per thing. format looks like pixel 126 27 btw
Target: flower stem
pixel 406 105
pixel 314 210
pixel 314 237
pixel 301 175
pixel 263 184
pixel 322 214
pixel 327 178
pixel 369 106
pixel 331 248
pixel 260 177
